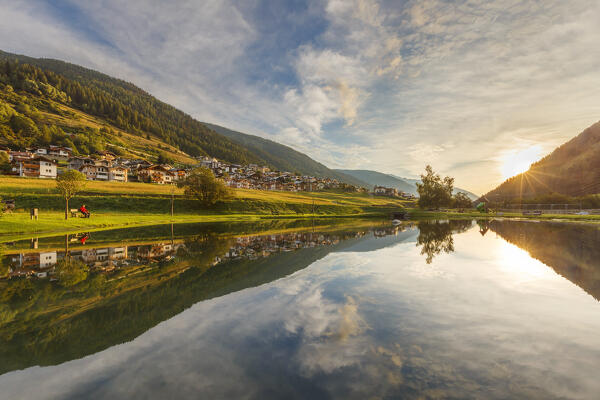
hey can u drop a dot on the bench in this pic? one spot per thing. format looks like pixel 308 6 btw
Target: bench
pixel 74 212
pixel 533 212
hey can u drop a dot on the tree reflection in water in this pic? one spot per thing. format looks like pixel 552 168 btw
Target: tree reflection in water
pixel 436 236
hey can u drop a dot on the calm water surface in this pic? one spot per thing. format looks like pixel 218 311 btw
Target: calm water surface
pixel 459 309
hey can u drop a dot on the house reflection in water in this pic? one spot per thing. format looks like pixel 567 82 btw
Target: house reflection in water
pixel 42 264
pixel 104 259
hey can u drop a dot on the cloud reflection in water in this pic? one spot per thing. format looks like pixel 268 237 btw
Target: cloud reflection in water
pixel 380 323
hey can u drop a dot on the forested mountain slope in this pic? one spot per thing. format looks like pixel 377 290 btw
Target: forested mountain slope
pixel 42 83
pixel 573 169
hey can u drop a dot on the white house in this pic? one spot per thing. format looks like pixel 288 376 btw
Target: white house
pixel 38 167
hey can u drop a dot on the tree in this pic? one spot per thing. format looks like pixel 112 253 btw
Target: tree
pixel 164 159
pixel 69 184
pixel 204 186
pixel 4 163
pixel 435 237
pixel 434 192
pixel 71 271
pixel 461 200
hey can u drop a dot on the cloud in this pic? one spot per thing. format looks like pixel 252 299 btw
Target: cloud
pixel 359 83
pixel 417 15
pixel 349 101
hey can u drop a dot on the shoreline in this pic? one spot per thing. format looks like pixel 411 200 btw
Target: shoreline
pixel 18 226
pixel 419 214
pixel 51 224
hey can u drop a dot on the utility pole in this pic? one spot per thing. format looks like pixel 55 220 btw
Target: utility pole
pixel 172 198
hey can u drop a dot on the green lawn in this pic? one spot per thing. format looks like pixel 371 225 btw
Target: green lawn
pixel 151 198
pixel 16 224
pixel 19 225
pixel 115 204
pixel 16 185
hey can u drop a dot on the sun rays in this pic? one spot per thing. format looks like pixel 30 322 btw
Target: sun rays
pixel 516 162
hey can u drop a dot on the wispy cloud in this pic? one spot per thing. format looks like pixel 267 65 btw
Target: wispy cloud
pixel 356 84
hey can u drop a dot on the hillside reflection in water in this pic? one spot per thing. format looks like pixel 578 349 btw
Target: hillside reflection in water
pixel 462 309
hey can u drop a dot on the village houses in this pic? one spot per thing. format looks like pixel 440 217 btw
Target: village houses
pixel 385 191
pixel 99 170
pixel 53 152
pixel 107 166
pixel 155 174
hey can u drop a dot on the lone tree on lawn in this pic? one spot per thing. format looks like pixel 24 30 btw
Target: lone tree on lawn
pixel 69 184
pixel 434 192
pixel 204 186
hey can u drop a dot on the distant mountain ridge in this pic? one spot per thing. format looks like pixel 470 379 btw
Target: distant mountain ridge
pixel 572 169
pixel 379 179
pixel 407 185
pixel 284 157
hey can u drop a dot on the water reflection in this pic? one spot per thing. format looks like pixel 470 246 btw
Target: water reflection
pixel 128 288
pixel 337 312
pixel 43 264
pixel 435 237
pixel 572 250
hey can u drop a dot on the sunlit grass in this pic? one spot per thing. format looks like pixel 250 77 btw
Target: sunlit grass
pixel 116 204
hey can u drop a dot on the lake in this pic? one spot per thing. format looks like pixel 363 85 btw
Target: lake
pixel 490 309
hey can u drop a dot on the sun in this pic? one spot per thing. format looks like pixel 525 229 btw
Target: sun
pixel 516 162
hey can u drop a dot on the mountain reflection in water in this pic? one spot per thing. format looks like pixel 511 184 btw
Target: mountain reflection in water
pixel 572 250
pixel 131 287
pixel 427 309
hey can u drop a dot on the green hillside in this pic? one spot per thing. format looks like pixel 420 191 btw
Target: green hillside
pixel 33 89
pixel 573 169
pixel 284 158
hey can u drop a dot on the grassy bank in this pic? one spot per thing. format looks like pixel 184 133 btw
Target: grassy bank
pixel 116 204
pixel 19 226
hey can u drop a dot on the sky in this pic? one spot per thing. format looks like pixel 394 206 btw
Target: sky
pixel 477 88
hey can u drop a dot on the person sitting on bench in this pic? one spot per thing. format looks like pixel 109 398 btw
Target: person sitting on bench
pixel 84 211
pixel 84 238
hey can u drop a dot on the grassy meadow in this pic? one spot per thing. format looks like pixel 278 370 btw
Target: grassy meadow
pixel 117 204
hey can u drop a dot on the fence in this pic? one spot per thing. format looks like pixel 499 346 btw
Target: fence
pixel 549 208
